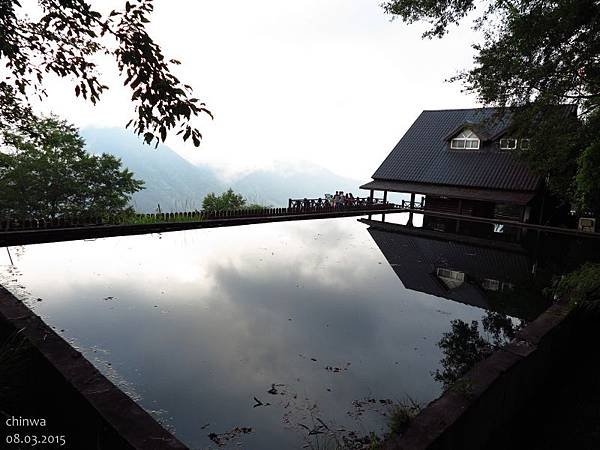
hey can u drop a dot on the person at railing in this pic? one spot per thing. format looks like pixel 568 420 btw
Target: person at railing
pixel 336 199
pixel 351 199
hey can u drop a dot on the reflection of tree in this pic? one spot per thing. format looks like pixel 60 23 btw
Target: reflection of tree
pixel 463 346
pixel 525 299
pixel 499 326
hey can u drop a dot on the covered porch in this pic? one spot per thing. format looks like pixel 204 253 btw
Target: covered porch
pixel 471 201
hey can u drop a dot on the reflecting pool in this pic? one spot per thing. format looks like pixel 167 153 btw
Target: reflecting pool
pixel 265 334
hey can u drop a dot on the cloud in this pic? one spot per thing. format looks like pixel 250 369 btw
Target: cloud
pixel 335 83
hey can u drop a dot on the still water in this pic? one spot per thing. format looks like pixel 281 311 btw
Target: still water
pixel 263 335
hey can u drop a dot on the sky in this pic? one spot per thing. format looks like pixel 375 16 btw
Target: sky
pixel 334 83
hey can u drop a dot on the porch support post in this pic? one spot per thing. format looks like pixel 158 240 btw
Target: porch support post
pixel 384 203
pixel 459 212
pixel 410 214
pixel 371 194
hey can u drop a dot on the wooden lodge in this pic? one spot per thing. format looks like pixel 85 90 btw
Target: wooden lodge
pixel 462 161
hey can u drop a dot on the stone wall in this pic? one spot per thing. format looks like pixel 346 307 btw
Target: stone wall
pixel 482 404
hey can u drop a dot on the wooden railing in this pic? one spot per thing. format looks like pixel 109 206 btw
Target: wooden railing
pixel 303 206
pixel 416 205
pixel 324 203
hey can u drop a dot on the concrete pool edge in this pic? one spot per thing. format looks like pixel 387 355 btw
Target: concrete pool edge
pixel 131 423
pixel 479 405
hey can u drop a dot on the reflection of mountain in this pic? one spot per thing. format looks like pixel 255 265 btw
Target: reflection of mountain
pixel 470 274
pixel 178 185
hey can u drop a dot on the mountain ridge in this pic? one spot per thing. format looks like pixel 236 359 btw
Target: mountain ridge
pixel 176 184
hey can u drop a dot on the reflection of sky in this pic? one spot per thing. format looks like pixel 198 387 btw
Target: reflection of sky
pixel 197 323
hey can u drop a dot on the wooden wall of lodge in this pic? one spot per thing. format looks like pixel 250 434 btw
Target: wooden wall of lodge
pixel 474 208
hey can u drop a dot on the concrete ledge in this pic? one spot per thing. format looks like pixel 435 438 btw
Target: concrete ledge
pixel 469 414
pixel 134 426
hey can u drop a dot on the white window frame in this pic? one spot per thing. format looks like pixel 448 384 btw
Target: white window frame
pixel 490 284
pixel 508 144
pixel 507 286
pixel 442 272
pixel 466 140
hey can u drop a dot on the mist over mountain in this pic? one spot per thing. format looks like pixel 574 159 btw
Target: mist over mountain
pixel 177 184
pixel 275 187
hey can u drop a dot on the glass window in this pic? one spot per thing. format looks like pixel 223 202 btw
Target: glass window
pixel 524 144
pixel 450 274
pixel 507 286
pixel 508 144
pixel 490 284
pixel 465 140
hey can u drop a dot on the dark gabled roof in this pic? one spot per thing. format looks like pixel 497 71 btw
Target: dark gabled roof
pixel 423 155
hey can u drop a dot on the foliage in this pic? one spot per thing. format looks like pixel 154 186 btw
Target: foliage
pixel 256 206
pixel 464 346
pixel 499 326
pixel 16 355
pixel 534 55
pixel 226 201
pixel 581 286
pixel 48 174
pixel 401 414
pixel 588 172
pixel 64 42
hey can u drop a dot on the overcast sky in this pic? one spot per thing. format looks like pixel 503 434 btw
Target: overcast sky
pixel 332 82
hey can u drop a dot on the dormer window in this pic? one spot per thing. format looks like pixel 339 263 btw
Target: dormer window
pixel 466 140
pixel 508 144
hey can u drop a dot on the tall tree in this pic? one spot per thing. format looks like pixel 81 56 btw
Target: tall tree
pixel 64 41
pixel 534 55
pixel 47 173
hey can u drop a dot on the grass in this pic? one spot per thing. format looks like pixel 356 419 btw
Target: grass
pixel 332 442
pixel 401 415
pixel 15 362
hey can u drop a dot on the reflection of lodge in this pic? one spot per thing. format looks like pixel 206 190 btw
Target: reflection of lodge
pixel 474 274
pixel 492 230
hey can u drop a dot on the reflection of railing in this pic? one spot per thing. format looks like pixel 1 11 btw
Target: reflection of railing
pixel 415 205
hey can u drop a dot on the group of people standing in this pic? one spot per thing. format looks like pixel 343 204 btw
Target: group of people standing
pixel 340 199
